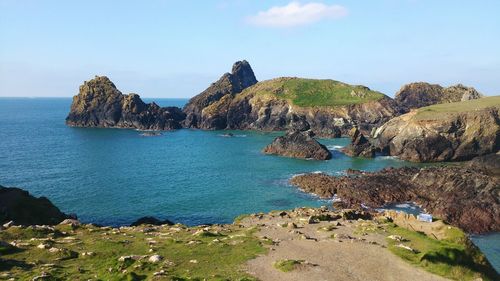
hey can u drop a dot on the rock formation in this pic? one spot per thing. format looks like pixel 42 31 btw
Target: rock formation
pixel 230 103
pixel 21 208
pixel 359 146
pixel 298 144
pixel 199 110
pixel 446 132
pixel 151 221
pixel 463 197
pixel 100 104
pixel 422 94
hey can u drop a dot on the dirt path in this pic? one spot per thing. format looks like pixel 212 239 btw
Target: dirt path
pixel 346 257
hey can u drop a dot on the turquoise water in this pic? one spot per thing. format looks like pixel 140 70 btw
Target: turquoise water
pixel 114 176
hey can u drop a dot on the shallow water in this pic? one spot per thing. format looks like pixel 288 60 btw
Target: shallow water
pixel 114 176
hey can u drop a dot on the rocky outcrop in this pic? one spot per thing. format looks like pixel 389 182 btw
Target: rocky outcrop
pixel 100 104
pixel 422 94
pixel 488 164
pixel 151 221
pixel 199 110
pixel 463 197
pixel 21 208
pixel 298 144
pixel 359 146
pixel 453 132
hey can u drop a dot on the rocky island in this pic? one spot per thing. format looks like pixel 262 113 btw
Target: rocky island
pixel 100 104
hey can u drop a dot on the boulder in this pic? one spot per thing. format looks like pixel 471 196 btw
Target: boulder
pixel 298 144
pixel 100 104
pixel 19 207
pixel 151 221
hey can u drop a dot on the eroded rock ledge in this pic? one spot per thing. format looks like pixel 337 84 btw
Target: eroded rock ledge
pixel 100 104
pixel 463 197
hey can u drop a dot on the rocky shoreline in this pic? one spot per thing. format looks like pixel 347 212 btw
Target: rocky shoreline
pixel 254 246
pixel 462 196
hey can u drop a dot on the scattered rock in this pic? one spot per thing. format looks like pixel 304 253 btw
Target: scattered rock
pixel 155 258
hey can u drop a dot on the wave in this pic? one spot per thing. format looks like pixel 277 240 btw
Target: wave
pixel 335 147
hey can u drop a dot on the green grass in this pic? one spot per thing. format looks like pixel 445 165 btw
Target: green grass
pixel 315 92
pixel 438 111
pixel 186 255
pixel 453 257
pixel 287 265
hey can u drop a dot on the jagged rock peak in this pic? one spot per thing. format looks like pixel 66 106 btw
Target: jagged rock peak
pixel 244 74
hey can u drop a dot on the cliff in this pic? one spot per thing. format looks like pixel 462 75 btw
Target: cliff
pixel 445 132
pixel 100 104
pixel 420 94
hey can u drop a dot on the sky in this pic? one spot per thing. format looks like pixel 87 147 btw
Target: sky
pixel 175 49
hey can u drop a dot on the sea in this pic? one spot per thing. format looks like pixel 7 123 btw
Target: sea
pixel 115 176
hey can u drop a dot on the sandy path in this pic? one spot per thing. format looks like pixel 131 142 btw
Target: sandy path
pixel 347 257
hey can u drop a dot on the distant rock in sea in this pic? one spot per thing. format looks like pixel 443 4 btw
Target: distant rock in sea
pixel 422 94
pixel 22 208
pixel 100 104
pixel 298 144
pixel 360 145
pixel 151 221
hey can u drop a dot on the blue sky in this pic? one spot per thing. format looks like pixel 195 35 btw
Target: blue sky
pixel 161 48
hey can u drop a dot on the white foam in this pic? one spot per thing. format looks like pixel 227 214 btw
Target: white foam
pixel 334 147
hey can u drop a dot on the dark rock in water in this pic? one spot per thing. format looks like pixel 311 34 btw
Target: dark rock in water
pixel 298 145
pixel 100 104
pixel 464 197
pixel 21 208
pixel 200 113
pixel 152 221
pixel 360 145
pixel 422 94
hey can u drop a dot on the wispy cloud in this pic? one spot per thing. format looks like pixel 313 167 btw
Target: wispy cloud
pixel 296 14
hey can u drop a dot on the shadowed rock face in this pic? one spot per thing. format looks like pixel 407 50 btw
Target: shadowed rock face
pixel 298 145
pixel 151 221
pixel 463 197
pixel 230 84
pixel 100 104
pixel 422 94
pixel 22 208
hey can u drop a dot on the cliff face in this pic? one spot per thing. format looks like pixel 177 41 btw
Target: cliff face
pixel 222 91
pixel 100 104
pixel 422 94
pixel 447 132
pixel 463 197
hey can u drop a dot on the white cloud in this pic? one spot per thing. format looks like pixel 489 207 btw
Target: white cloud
pixel 296 14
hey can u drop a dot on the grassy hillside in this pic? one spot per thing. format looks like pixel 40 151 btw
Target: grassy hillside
pixel 438 111
pixel 315 92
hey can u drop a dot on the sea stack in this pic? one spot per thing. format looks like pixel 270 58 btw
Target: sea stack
pixel 298 144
